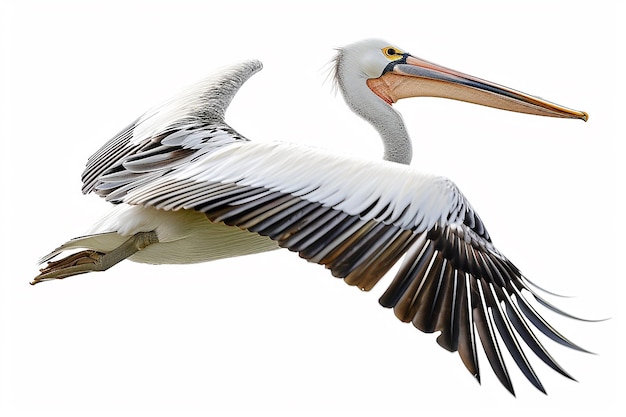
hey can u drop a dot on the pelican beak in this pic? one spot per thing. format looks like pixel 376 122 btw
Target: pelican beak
pixel 413 77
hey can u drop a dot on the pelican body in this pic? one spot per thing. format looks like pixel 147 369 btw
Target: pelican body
pixel 187 188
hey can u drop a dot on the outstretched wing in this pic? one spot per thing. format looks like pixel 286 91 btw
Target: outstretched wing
pixel 169 135
pixel 358 218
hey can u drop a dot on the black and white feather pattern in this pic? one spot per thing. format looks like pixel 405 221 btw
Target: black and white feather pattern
pixel 356 217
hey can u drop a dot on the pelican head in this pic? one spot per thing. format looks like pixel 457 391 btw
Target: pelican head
pixel 378 67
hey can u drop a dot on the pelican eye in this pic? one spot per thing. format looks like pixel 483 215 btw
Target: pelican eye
pixel 392 53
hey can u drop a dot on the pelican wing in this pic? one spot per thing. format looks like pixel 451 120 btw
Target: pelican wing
pixel 169 135
pixel 358 218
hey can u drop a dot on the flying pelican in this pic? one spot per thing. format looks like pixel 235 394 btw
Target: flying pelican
pixel 188 188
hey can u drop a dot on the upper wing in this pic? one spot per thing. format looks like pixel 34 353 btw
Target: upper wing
pixel 358 218
pixel 189 124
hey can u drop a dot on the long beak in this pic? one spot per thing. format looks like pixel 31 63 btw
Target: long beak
pixel 418 77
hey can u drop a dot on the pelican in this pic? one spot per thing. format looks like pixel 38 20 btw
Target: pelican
pixel 187 188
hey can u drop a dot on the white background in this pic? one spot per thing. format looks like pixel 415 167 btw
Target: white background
pixel 272 331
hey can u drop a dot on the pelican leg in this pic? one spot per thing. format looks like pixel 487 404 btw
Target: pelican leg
pixel 90 260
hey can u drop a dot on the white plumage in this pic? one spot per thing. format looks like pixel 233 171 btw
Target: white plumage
pixel 399 195
pixel 189 188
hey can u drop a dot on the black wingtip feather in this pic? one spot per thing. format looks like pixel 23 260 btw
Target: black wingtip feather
pixel 544 327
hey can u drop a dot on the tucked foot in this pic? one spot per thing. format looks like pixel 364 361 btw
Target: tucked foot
pixel 90 260
pixel 74 264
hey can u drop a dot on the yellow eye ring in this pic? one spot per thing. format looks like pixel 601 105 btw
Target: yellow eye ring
pixel 392 53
